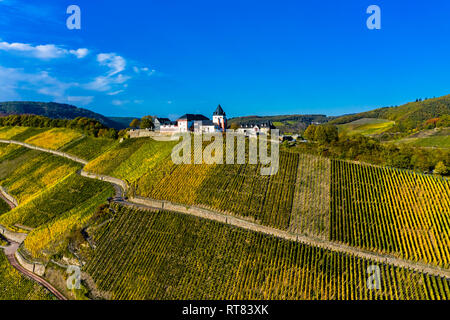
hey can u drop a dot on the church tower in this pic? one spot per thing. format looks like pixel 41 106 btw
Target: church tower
pixel 220 118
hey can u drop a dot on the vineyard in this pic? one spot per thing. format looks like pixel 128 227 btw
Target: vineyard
pixel 52 237
pixel 88 147
pixel 391 210
pixel 16 287
pixel 55 201
pixel 25 173
pixel 142 255
pixel 54 138
pixel 4 207
pixel 235 189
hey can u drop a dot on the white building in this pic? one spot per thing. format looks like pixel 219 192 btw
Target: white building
pixel 194 123
pixel 255 128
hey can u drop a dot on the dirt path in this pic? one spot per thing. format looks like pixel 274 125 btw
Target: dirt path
pixel 10 252
pixel 240 223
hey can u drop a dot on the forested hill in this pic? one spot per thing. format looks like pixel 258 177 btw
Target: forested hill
pixel 407 116
pixel 53 110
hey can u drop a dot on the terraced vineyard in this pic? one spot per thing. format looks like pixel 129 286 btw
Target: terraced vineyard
pixel 25 173
pixel 54 138
pixel 16 287
pixel 393 211
pixel 4 207
pixel 235 189
pixel 88 148
pixel 142 255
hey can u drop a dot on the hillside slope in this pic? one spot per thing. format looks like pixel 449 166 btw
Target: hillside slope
pixel 407 116
pixel 54 110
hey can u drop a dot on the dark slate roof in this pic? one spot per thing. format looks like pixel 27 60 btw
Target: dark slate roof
pixel 207 123
pixel 193 117
pixel 261 124
pixel 219 111
pixel 163 120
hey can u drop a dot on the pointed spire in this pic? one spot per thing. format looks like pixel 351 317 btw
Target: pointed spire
pixel 219 111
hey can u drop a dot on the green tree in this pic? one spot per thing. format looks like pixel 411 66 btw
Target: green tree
pixel 441 169
pixel 234 126
pixel 135 123
pixel 147 123
pixel 310 132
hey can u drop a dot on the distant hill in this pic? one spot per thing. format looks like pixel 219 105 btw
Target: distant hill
pixel 54 110
pixel 285 123
pixel 407 116
pixel 123 121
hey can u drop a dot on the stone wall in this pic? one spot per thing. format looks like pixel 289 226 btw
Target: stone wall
pixel 112 180
pixel 57 153
pixel 8 197
pixel 13 236
pixel 34 267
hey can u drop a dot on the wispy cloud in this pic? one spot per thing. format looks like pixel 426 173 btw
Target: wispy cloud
pixel 12 79
pixel 114 62
pixel 112 81
pixel 106 83
pixel 47 51
pixel 144 70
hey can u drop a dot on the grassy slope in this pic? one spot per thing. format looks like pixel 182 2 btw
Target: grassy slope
pixel 366 126
pixel 142 255
pixel 410 114
pixel 428 138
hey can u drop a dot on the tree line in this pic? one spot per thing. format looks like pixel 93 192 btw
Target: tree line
pixel 325 141
pixel 88 126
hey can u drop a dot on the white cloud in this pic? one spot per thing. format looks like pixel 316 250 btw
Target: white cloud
pixel 120 102
pixel 47 51
pixel 144 70
pixel 13 79
pixel 80 53
pixel 114 62
pixel 105 83
pixel 115 92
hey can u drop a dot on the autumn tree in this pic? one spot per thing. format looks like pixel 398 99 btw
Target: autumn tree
pixel 135 123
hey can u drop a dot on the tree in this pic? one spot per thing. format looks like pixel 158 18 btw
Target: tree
pixel 147 123
pixel 234 126
pixel 310 132
pixel 441 169
pixel 135 123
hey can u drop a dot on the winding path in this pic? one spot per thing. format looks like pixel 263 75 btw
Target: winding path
pixel 10 252
pixel 153 205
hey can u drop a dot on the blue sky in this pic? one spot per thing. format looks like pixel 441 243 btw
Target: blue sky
pixel 166 58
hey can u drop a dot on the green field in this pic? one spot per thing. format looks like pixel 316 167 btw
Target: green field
pixel 365 126
pixel 142 255
pixel 427 138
